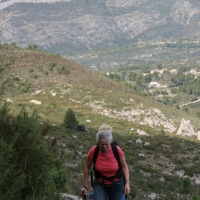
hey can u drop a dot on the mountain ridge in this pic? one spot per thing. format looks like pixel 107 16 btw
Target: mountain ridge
pixel 68 27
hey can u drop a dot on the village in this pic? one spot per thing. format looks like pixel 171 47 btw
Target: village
pixel 154 84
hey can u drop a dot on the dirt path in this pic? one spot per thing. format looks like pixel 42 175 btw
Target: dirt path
pixel 185 104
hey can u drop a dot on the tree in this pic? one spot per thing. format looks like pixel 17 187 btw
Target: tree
pixel 70 120
pixel 155 76
pixel 159 66
pixel 147 78
pixel 32 47
pixel 132 76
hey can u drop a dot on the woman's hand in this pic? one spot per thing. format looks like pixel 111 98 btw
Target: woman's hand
pixel 127 188
pixel 83 190
pixel 86 176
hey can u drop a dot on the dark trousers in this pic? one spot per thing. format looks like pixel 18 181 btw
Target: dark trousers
pixel 113 191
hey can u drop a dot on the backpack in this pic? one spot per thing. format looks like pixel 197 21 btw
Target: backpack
pixel 119 172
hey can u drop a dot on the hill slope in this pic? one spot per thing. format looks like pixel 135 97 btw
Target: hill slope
pixel 50 78
pixel 157 157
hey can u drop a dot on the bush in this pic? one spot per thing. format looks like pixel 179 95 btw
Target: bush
pixel 186 188
pixel 26 163
pixel 62 70
pixel 195 197
pixel 51 66
pixel 198 114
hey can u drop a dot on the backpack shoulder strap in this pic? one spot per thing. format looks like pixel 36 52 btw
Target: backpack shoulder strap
pixel 96 153
pixel 116 153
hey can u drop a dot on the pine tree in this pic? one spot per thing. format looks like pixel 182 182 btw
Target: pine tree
pixel 70 120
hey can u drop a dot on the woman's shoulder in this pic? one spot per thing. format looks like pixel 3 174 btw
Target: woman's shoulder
pixel 92 148
pixel 91 152
pixel 119 150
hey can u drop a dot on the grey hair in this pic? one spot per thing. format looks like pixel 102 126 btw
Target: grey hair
pixel 105 132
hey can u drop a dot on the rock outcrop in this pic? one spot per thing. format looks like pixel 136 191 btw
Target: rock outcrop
pixel 187 129
pixel 151 117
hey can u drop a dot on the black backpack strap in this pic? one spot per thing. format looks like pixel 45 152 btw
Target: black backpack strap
pixel 96 152
pixel 116 153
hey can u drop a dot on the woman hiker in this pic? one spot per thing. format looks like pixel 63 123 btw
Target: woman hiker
pixel 111 179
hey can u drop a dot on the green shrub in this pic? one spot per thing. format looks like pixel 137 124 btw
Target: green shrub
pixel 195 196
pixel 63 70
pixel 60 178
pixel 31 70
pixel 198 114
pixel 24 86
pixel 51 66
pixel 186 188
pixel 26 162
pixel 32 47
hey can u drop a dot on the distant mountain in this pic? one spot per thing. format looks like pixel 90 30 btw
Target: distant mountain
pixel 69 27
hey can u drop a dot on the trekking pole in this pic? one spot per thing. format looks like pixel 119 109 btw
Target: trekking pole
pixel 84 196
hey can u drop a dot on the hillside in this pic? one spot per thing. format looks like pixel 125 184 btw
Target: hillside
pixel 42 75
pixel 158 158
pixel 174 53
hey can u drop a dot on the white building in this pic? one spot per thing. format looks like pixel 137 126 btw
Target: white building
pixel 154 85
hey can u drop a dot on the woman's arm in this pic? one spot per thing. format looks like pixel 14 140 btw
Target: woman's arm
pixel 87 167
pixel 125 171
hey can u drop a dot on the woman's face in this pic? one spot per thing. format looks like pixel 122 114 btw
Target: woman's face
pixel 104 145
